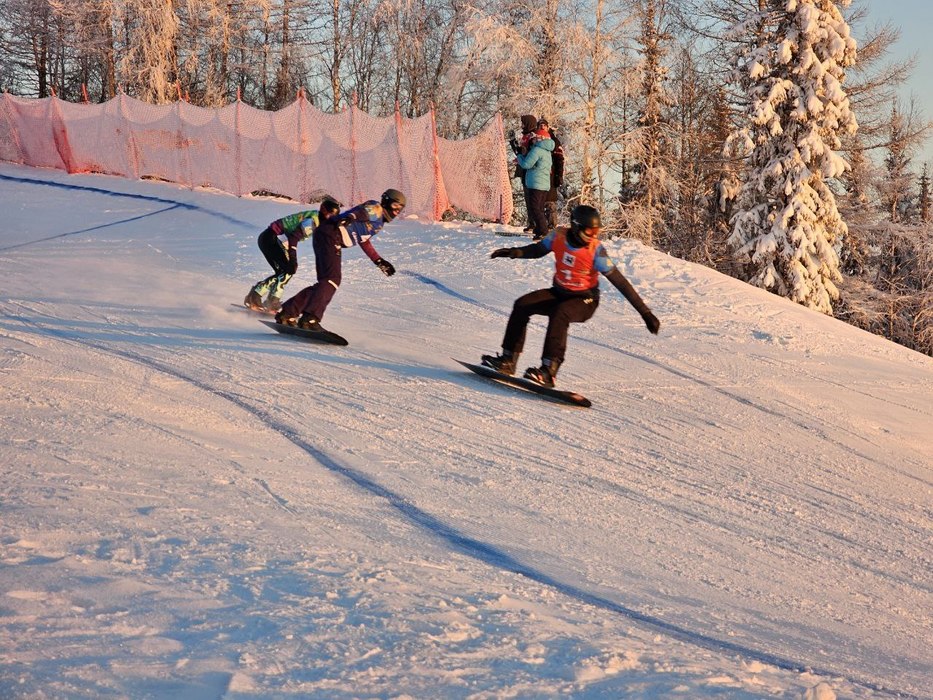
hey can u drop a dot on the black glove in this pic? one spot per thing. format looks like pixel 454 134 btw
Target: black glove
pixel 388 269
pixel 651 321
pixel 513 142
pixel 506 253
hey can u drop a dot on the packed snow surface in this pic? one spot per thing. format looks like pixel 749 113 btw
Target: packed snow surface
pixel 194 506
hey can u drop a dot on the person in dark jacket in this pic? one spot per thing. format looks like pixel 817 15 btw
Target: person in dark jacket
pixel 557 175
pixel 283 255
pixel 355 226
pixel 537 165
pixel 579 257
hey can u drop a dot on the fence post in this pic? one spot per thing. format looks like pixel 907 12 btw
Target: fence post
pixel 182 146
pixel 441 200
pixel 353 150
pixel 506 184
pixel 237 146
pixel 131 141
pixel 60 135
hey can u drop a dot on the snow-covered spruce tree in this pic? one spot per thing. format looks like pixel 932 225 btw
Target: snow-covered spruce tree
pixel 786 222
pixel 895 186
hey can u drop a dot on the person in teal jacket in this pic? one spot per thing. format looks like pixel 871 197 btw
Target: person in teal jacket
pixel 537 165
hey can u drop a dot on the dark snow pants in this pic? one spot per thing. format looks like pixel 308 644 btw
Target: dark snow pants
pixel 537 199
pixel 327 244
pixel 561 308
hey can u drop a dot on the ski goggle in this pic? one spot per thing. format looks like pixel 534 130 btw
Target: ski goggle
pixel 588 234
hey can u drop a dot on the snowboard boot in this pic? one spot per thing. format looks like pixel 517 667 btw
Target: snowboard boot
pixel 286 320
pixel 273 304
pixel 503 364
pixel 309 322
pixel 254 301
pixel 545 374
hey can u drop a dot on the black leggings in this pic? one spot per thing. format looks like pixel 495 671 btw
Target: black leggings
pixel 275 255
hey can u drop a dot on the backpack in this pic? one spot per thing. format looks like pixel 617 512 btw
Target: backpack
pixel 557 167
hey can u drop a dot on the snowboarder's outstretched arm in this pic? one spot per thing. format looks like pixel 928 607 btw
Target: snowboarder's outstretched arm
pixel 628 291
pixel 535 250
pixel 388 269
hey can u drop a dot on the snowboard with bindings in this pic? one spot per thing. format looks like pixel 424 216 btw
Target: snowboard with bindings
pixel 513 234
pixel 321 336
pixel 261 312
pixel 570 397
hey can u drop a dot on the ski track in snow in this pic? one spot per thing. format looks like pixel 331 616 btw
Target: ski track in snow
pixel 484 552
pixel 172 203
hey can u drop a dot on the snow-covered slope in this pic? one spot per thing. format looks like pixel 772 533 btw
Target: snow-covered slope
pixel 192 505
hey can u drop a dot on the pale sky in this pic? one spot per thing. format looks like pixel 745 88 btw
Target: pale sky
pixel 915 20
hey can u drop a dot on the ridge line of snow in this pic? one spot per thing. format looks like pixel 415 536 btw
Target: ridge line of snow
pixel 129 195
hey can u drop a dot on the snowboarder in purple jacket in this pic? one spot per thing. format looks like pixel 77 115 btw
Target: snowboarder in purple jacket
pixel 355 226
pixel 283 255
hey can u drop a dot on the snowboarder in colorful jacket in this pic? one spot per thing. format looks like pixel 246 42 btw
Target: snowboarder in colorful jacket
pixel 355 226
pixel 283 255
pixel 579 257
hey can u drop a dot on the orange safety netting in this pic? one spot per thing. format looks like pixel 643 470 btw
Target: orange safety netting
pixel 298 152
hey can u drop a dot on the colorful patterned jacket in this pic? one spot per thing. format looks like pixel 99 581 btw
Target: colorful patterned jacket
pixel 358 225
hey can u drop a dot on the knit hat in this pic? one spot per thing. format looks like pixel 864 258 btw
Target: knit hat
pixel 529 123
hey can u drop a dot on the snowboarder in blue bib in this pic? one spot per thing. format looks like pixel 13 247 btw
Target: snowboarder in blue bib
pixel 579 258
pixel 282 255
pixel 353 227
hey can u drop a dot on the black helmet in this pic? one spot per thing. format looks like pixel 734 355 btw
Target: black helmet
pixel 389 197
pixel 584 216
pixel 330 205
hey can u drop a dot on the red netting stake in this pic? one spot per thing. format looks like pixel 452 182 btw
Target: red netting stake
pixel 351 109
pixel 238 147
pixel 439 205
pixel 84 93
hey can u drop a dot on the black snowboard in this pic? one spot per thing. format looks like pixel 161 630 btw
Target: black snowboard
pixel 513 234
pixel 570 397
pixel 321 336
